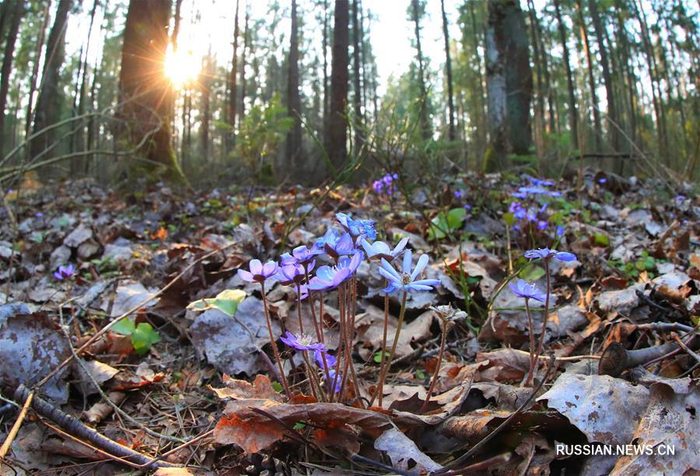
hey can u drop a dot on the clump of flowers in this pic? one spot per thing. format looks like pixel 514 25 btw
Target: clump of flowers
pixel 529 291
pixel 385 185
pixel 333 377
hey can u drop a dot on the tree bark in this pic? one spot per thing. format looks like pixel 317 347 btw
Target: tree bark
pixel 293 97
pixel 452 134
pixel 35 72
pixel 518 78
pixel 145 93
pixel 607 77
pixel 424 123
pixel 496 88
pixel 591 80
pixel 232 91
pixel 326 89
pixel 573 114
pixel 357 80
pixel 337 122
pixel 8 56
pixel 48 105
pixel 243 63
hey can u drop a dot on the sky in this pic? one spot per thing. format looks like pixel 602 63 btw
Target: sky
pixel 210 22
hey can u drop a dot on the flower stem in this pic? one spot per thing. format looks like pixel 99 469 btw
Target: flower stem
pixel 301 324
pixel 531 330
pixel 382 376
pixel 275 350
pixel 383 354
pixel 443 343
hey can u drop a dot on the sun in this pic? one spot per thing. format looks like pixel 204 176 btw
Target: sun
pixel 181 67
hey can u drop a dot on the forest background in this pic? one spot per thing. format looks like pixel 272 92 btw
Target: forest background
pixel 228 91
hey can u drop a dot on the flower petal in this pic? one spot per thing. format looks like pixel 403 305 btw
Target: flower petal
pixel 255 266
pixel 422 263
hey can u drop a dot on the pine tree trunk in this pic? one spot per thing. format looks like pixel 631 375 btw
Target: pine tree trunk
pixel 479 114
pixel 424 124
pixel 48 105
pixel 145 93
pixel 243 64
pixel 232 90
pixel 631 79
pixel 497 157
pixel 452 134
pixel 8 56
pixel 607 77
pixel 326 88
pixel 598 131
pixel 540 103
pixel 35 74
pixel 293 98
pixel 337 121
pixel 357 83
pixel 205 108
pixel 518 79
pixel 573 114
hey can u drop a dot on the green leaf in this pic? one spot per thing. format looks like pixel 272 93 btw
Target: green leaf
pixel 226 301
pixel 601 239
pixel 144 337
pixel 420 374
pixel 299 426
pixel 277 387
pixel 509 218
pixel 378 356
pixel 532 272
pixel 125 327
pixel 455 217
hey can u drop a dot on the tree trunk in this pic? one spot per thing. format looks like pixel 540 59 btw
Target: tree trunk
pixel 48 105
pixel 326 90
pixel 591 80
pixel 7 59
pixel 424 124
pixel 337 122
pixel 452 135
pixel 232 91
pixel 497 157
pixel 243 63
pixel 35 73
pixel 478 114
pixel 573 114
pixel 357 82
pixel 145 93
pixel 540 103
pixel 607 77
pixel 205 81
pixel 293 98
pixel 518 78
pixel 631 79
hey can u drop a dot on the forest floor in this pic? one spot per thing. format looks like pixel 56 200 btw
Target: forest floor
pixel 196 385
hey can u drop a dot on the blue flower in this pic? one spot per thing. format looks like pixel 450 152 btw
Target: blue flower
pixel 291 274
pixel 357 227
pixel 319 357
pixel 335 244
pixel 458 194
pixel 542 225
pixel 258 273
pixel 301 255
pixel 528 291
pixel 64 272
pixel 406 280
pixel 560 230
pixel 536 181
pixel 380 250
pixel 302 342
pixel 328 277
pixel 546 253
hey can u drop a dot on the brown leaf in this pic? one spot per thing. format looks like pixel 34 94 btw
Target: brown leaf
pixel 241 389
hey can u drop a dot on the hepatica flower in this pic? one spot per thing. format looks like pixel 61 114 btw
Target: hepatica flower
pixel 259 273
pixel 528 291
pixel 301 255
pixel 291 274
pixel 302 342
pixel 380 250
pixel 336 245
pixel 64 272
pixel 329 277
pixel 357 227
pixel 546 253
pixel 407 279
pixel 319 356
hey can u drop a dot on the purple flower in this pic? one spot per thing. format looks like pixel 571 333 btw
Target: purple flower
pixel 39 214
pixel 64 272
pixel 542 225
pixel 602 180
pixel 302 342
pixel 301 255
pixel 357 227
pixel 319 356
pixel 560 230
pixel 458 194
pixel 380 250
pixel 680 198
pixel 259 273
pixel 291 274
pixel 538 182
pixel 406 280
pixel 528 291
pixel 546 253
pixel 328 277
pixel 336 245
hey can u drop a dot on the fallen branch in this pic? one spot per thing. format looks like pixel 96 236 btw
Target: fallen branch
pixel 616 359
pixel 80 431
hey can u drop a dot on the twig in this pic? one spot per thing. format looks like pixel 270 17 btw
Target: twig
pixel 15 428
pixel 74 427
pixel 498 429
